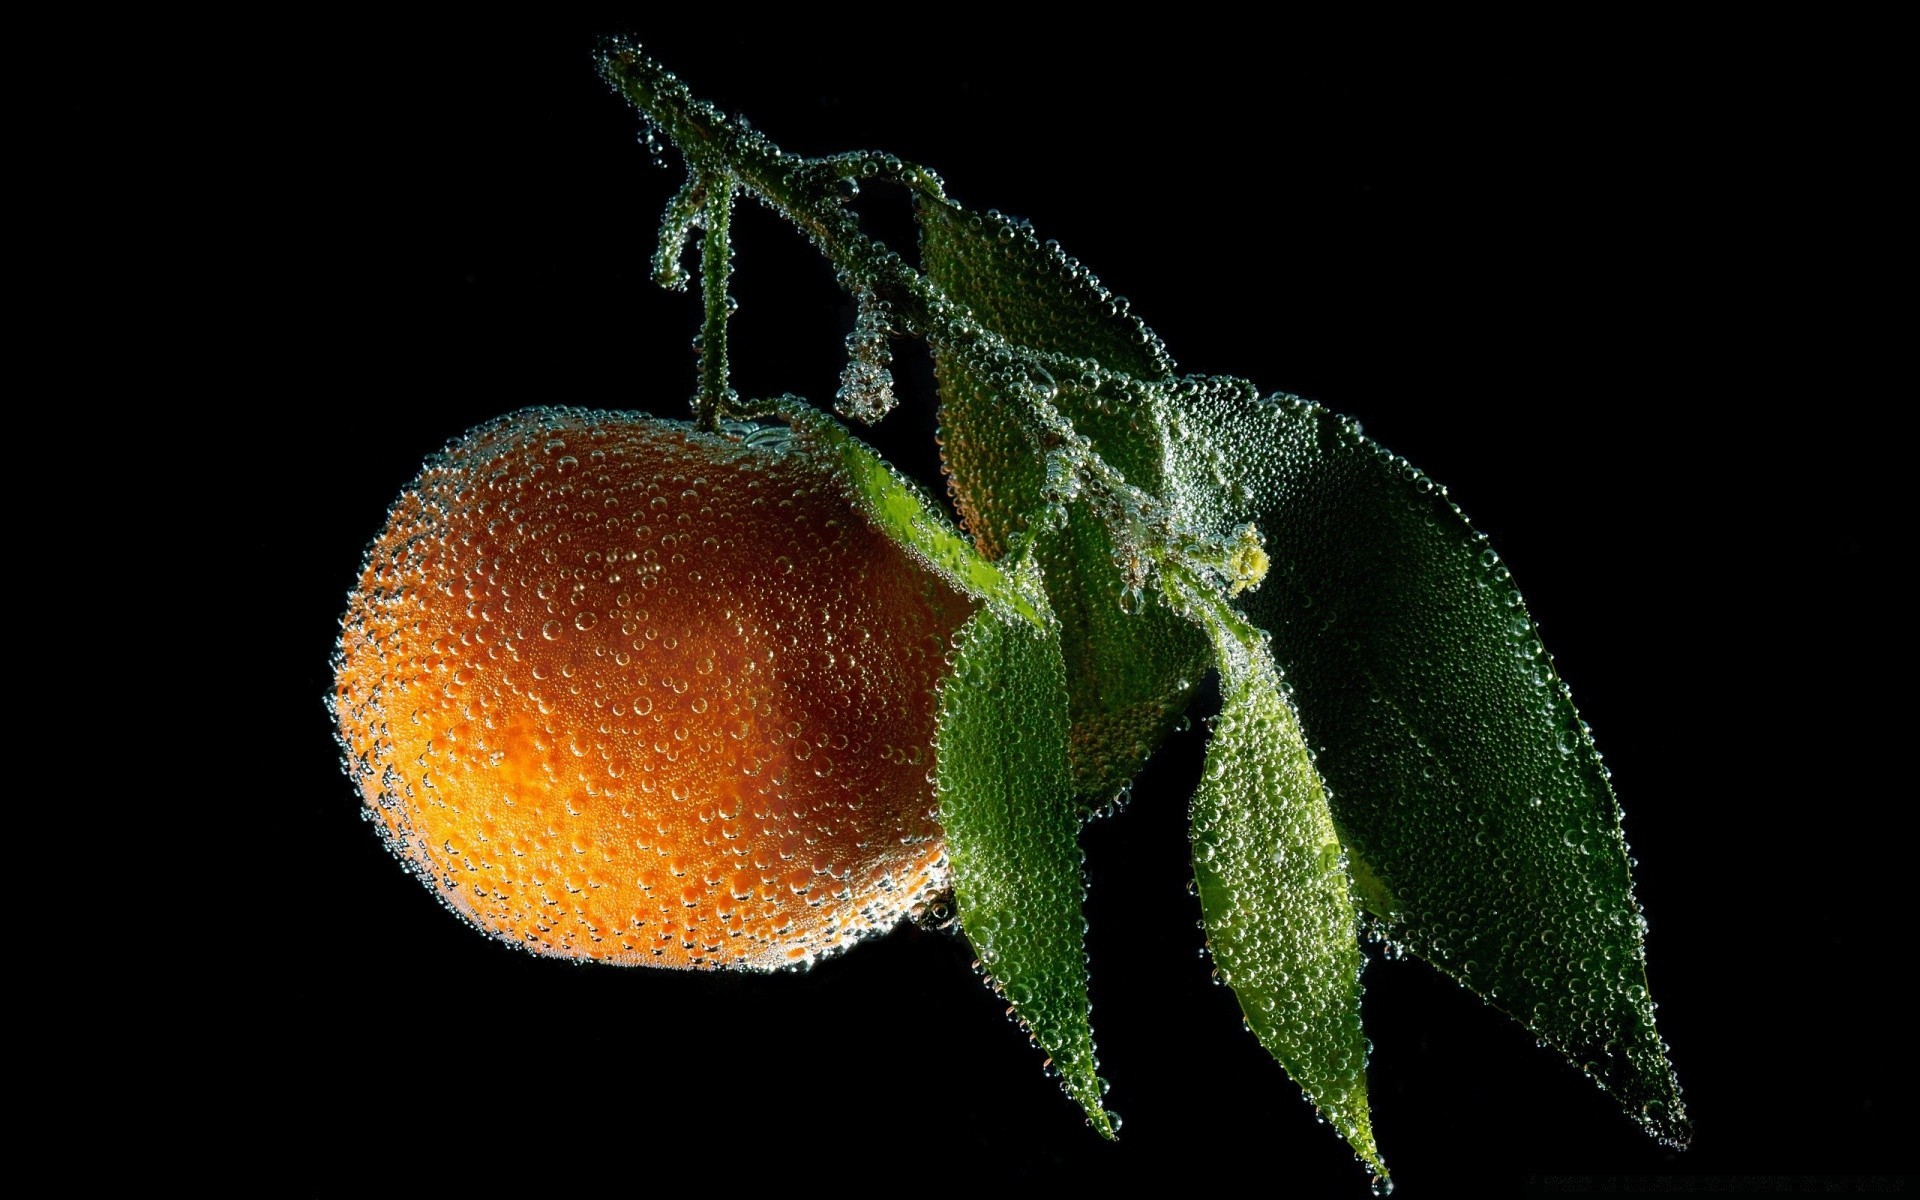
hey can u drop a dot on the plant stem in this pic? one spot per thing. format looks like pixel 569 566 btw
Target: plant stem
pixel 716 267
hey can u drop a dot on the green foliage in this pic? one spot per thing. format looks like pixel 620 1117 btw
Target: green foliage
pixel 1462 778
pixel 1004 784
pixel 1273 883
pixel 1130 667
pixel 1013 837
pixel 896 504
pixel 1393 733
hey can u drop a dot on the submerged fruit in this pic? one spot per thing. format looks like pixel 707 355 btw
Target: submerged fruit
pixel 622 690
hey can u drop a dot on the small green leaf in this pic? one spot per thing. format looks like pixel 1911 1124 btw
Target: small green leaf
pixel 1129 668
pixel 898 506
pixel 1013 838
pixel 1281 925
pixel 1480 822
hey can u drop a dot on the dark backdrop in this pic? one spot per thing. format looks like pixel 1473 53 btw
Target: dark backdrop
pixel 1589 278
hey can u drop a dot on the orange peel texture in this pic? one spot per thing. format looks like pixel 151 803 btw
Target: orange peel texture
pixel 620 690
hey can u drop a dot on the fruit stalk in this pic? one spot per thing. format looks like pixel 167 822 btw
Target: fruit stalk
pixel 716 399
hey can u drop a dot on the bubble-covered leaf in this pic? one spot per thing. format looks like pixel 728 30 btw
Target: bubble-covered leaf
pixel 1281 925
pixel 1480 822
pixel 898 506
pixel 1013 837
pixel 1030 292
pixel 1128 672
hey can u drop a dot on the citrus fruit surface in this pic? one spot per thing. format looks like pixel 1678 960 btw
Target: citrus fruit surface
pixel 620 690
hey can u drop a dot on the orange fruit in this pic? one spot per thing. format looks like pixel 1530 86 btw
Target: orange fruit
pixel 621 690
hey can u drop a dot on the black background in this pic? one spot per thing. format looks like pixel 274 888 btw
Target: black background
pixel 1594 280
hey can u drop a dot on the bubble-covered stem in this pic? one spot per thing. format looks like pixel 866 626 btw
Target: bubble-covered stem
pixel 724 152
pixel 799 189
pixel 1188 594
pixel 676 225
pixel 716 267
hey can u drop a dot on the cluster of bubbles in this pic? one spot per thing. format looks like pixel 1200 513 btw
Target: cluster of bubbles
pixel 866 385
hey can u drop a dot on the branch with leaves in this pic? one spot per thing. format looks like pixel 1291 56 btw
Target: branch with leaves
pixel 1396 759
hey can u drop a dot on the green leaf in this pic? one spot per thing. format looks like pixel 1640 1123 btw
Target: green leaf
pixel 1030 292
pixel 1013 838
pixel 897 505
pixel 1272 879
pixel 1479 819
pixel 1006 804
pixel 1129 670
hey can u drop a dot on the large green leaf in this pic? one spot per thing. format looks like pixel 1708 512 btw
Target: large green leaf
pixel 1128 672
pixel 1272 878
pixel 1479 819
pixel 1013 837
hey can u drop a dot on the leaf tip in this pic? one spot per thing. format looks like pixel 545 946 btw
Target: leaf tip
pixel 1105 1123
